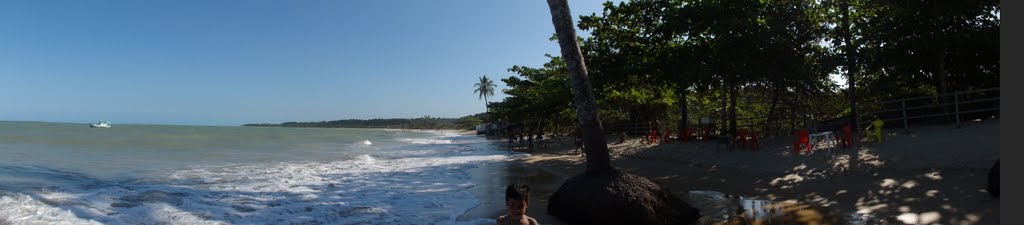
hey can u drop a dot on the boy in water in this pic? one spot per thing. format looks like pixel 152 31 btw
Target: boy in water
pixel 517 197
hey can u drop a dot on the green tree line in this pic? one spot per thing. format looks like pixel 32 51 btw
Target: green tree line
pixel 760 64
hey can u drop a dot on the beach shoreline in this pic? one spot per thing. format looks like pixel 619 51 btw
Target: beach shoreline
pixel 932 175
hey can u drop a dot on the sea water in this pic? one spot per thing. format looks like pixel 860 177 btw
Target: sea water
pixel 63 173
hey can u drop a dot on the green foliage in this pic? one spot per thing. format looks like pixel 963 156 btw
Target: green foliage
pixel 908 44
pixel 536 95
pixel 774 57
pixel 485 88
pixel 468 122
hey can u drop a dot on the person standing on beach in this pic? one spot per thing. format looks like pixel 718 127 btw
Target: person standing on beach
pixel 579 142
pixel 510 140
pixel 622 136
pixel 540 138
pixel 529 141
pixel 522 139
pixel 655 132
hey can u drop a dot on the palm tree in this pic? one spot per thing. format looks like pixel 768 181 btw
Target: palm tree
pixel 602 184
pixel 485 88
pixel 586 107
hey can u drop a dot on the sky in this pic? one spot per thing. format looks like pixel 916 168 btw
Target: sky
pixel 228 63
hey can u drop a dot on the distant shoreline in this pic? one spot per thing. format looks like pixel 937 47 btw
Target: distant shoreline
pixel 459 131
pixel 426 122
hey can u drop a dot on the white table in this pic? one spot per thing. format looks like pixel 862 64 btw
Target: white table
pixel 827 136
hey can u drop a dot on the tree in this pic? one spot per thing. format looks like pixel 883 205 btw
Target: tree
pixel 602 194
pixel 485 88
pixel 598 159
pixel 538 95
pixel 851 69
pixel 642 52
pixel 467 122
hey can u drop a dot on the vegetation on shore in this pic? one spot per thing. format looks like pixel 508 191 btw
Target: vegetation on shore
pixel 426 122
pixel 765 65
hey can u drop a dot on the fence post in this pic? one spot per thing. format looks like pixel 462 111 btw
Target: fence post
pixel 903 104
pixel 956 107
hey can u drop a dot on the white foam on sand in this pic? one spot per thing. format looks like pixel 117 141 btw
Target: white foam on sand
pixel 361 190
pixel 423 141
pixel 16 208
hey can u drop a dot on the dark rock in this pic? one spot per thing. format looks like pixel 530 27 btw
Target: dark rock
pixel 155 196
pixel 616 197
pixel 243 208
pixel 993 180
pixel 120 205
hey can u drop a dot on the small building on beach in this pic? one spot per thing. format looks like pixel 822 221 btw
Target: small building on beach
pixel 492 129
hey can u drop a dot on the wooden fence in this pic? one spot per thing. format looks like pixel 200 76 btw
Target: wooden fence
pixel 936 109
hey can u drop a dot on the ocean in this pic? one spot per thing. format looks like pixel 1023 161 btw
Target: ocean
pixel 64 173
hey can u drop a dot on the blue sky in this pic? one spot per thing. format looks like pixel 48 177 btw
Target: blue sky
pixel 236 62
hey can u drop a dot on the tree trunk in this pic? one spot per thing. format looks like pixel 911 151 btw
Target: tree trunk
pixel 771 111
pixel 792 113
pixel 851 72
pixel 684 121
pixel 598 159
pixel 940 79
pixel 732 109
pixel 724 122
pixel 941 73
pixel 486 109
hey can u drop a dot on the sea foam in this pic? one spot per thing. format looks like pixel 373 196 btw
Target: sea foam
pixel 424 141
pixel 360 190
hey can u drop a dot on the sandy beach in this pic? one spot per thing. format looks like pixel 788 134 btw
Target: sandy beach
pixel 927 176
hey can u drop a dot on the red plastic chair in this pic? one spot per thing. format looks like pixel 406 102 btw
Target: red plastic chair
pixel 685 137
pixel 752 142
pixel 846 136
pixel 652 137
pixel 803 137
pixel 741 137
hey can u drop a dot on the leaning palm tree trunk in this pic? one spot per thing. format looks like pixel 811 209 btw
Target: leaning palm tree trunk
pixel 586 107
pixel 603 194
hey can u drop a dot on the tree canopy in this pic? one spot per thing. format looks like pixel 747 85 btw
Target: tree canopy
pixel 761 64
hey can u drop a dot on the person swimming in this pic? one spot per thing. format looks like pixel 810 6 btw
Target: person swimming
pixel 517 199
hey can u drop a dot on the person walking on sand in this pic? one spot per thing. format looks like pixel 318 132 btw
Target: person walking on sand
pixel 579 142
pixel 540 138
pixel 877 124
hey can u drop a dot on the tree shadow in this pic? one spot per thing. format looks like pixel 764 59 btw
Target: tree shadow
pixel 845 181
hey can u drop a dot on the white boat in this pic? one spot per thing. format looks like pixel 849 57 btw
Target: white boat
pixel 101 124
